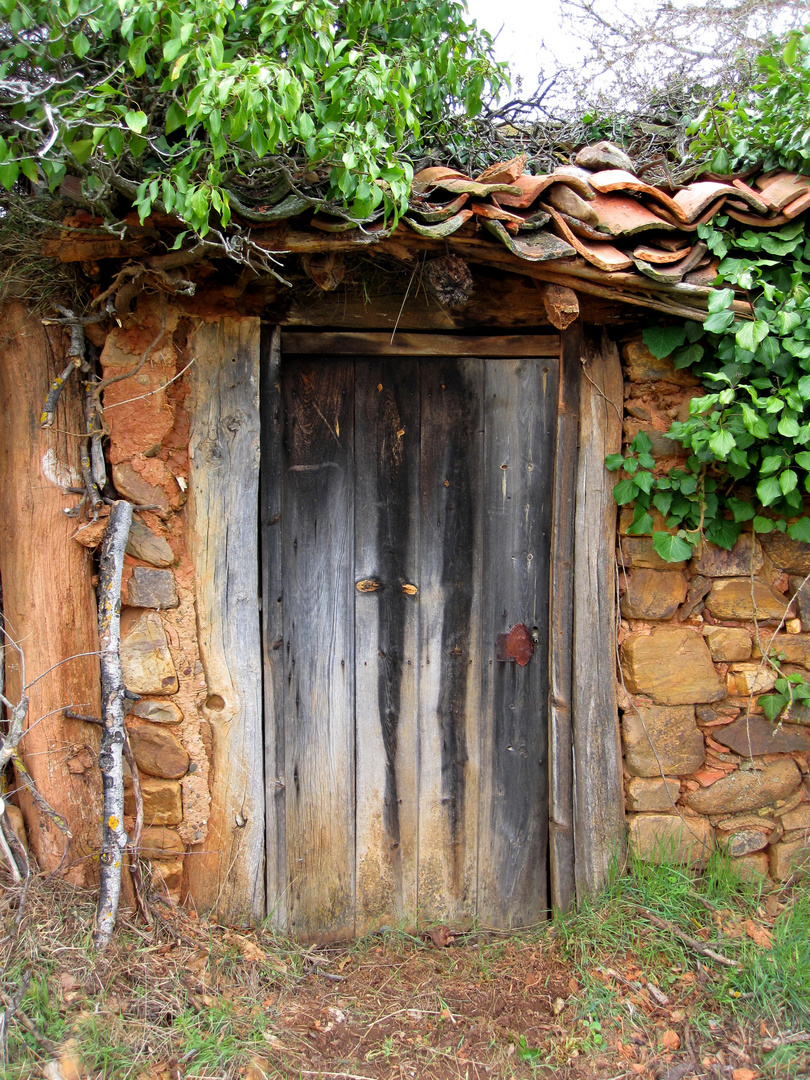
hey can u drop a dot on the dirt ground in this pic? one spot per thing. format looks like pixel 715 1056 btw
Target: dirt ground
pixel 192 999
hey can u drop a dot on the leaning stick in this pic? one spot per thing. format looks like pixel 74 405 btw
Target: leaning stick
pixel 110 759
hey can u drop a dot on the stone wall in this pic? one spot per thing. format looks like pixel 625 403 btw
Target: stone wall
pixel 703 765
pixel 148 454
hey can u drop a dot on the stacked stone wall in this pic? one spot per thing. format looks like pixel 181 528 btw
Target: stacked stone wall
pixel 148 452
pixel 704 767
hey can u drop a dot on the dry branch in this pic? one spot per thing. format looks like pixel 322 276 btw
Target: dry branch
pixel 110 759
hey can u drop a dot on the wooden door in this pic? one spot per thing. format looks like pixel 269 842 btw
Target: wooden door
pixel 410 513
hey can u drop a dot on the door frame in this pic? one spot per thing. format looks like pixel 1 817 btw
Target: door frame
pixel 242 663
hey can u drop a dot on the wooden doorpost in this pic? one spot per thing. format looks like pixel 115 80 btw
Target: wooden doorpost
pixel 48 599
pixel 599 829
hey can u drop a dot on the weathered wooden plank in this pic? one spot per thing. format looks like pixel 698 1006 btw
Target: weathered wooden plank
pixel 227 874
pixel 386 628
pixel 450 644
pixel 346 343
pixel 562 887
pixel 48 598
pixel 598 795
pixel 498 300
pixel 519 412
pixel 273 626
pixel 318 540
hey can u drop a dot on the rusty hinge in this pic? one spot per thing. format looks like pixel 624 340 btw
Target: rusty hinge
pixel 516 646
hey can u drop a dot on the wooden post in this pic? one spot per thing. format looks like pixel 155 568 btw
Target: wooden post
pixel 561 631
pixel 48 597
pixel 599 831
pixel 227 874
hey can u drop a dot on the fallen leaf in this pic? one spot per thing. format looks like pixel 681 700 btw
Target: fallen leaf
pixel 558 1006
pixel 760 935
pixel 573 985
pixel 744 1074
pixel 258 1069
pixel 441 937
pixel 670 1040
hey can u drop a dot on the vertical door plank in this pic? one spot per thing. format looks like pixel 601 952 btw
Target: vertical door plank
pixel 599 827
pixel 561 620
pixel 386 624
pixel 272 625
pixel 318 540
pixel 227 875
pixel 520 407
pixel 450 618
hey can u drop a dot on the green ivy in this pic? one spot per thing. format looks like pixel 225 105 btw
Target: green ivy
pixel 771 126
pixel 748 436
pixel 183 101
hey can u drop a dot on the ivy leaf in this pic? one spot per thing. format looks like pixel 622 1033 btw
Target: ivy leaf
pixel 800 530
pixel 616 461
pixel 81 45
pixel 751 334
pixel 641 444
pixel 137 55
pixel 662 501
pixel 720 299
pixel 723 533
pixel 802 459
pixel 762 524
pixel 788 481
pixel 742 511
pixel 671 548
pixel 719 322
pixel 625 491
pixel 136 120
pixel 661 340
pixel 772 705
pixel 642 524
pixel 644 481
pixel 768 490
pixel 721 443
pixel 688 355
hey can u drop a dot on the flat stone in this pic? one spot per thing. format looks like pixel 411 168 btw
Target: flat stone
pixel 662 738
pixel 131 485
pixel 152 588
pixel 652 793
pixel 790 648
pixel 157 711
pixel 604 155
pixel 728 643
pixel 742 680
pixel 745 841
pixel 802 592
pixel 752 867
pixel 698 589
pixel 672 665
pixel 641 367
pixel 158 752
pixel 145 658
pixel 668 838
pixel 143 544
pixel 747 790
pixel 159 842
pixel 756 736
pixel 797 819
pixel 653 594
pixel 638 551
pixel 788 858
pixel 715 561
pixel 170 874
pixel 790 555
pixel 731 598
pixel 162 801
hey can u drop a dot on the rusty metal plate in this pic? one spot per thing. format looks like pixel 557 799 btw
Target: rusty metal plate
pixel 516 646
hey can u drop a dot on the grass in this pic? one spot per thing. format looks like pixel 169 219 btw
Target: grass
pixel 602 993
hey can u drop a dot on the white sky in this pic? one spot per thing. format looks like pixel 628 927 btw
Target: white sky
pixel 524 26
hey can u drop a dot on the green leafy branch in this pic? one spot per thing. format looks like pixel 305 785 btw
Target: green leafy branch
pixel 206 105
